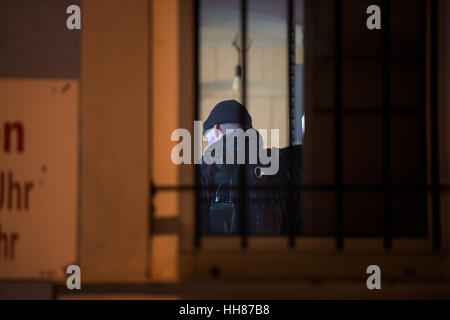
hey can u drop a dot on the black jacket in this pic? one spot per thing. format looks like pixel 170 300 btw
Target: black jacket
pixel 233 192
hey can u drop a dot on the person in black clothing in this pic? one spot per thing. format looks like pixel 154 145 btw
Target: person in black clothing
pixel 236 190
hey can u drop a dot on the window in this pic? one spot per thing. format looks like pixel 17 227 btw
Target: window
pixel 364 152
pixel 369 152
pixel 368 120
pixel 267 66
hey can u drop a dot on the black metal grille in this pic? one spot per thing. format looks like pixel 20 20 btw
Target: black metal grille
pixel 291 109
pixel 387 227
pixel 434 125
pixel 338 124
pixel 387 187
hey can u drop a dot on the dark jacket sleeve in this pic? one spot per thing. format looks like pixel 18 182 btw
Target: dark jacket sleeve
pixel 291 167
pixel 203 198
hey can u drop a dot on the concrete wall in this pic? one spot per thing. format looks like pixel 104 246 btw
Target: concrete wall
pixel 114 133
pixel 166 113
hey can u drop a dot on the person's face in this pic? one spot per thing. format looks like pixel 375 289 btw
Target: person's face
pixel 214 134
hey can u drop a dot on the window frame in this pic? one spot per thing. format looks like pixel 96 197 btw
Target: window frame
pixel 198 255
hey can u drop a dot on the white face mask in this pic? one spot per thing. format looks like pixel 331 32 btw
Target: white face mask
pixel 213 135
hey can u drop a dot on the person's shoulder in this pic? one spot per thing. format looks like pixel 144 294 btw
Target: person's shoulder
pixel 203 166
pixel 291 151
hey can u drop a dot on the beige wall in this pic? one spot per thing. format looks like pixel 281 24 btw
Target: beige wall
pixel 117 131
pixel 114 131
pixel 165 118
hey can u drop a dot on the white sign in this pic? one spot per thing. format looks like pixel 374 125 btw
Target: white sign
pixel 38 177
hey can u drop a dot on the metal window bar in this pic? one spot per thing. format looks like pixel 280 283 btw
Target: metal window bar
pixel 423 114
pixel 291 111
pixel 338 125
pixel 434 79
pixel 386 123
pixel 242 204
pixel 197 218
pixel 435 187
pixel 370 187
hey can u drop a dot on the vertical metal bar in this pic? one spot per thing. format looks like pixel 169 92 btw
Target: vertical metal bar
pixel 197 233
pixel 434 79
pixel 291 111
pixel 242 185
pixel 338 124
pixel 423 115
pixel 151 220
pixel 386 123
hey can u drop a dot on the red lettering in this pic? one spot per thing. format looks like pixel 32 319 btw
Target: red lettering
pixel 10 128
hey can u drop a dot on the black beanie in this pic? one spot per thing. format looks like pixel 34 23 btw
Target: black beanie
pixel 228 111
